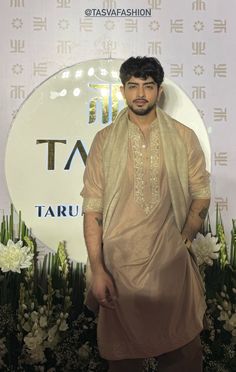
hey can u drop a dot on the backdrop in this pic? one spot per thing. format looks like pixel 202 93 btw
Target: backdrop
pixel 194 40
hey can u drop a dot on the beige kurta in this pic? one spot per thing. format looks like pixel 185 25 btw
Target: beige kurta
pixel 161 301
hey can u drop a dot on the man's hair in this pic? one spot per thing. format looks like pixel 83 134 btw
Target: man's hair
pixel 142 67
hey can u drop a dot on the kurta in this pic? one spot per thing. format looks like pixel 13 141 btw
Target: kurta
pixel 160 304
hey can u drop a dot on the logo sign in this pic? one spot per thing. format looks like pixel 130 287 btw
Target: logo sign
pixel 50 139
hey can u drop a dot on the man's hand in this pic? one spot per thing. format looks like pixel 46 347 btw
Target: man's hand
pixel 195 218
pixel 103 286
pixel 104 290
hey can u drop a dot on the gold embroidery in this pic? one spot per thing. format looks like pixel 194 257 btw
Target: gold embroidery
pixel 204 193
pixel 139 166
pixel 201 190
pixel 91 204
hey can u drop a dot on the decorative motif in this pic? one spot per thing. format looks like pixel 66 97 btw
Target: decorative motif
pixel 198 70
pixel 63 24
pixel 17 23
pixel 198 26
pixel 17 69
pixel 109 25
pixel 154 25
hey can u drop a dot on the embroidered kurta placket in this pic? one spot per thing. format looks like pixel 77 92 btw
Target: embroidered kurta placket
pixel 146 160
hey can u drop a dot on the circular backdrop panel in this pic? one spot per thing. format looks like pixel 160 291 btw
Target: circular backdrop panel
pixel 50 139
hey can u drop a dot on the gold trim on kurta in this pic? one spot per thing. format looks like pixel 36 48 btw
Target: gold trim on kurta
pixel 93 205
pixel 203 193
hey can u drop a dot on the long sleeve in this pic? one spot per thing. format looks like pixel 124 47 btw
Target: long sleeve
pixel 199 183
pixel 92 192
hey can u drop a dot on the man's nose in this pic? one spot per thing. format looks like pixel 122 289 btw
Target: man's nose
pixel 141 91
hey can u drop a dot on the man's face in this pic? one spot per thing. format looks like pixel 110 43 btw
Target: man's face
pixel 141 95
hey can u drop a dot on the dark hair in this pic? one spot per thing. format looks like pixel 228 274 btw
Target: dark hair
pixel 142 67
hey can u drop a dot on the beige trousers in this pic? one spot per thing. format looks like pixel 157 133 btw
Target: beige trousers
pixel 185 359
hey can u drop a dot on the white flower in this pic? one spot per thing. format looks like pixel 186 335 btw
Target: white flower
pixel 26 326
pixel 63 326
pixel 32 342
pixel 43 321
pixel 230 325
pixel 223 316
pixel 205 249
pixel 14 256
pixel 34 316
pixel 52 333
pixel 53 337
pixel 37 355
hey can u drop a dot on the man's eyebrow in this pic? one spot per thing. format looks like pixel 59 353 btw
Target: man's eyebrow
pixel 147 83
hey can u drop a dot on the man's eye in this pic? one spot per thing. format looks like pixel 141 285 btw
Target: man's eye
pixel 132 86
pixel 149 86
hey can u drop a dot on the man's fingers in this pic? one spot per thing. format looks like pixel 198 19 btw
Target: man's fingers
pixel 110 296
pixel 104 302
pixel 112 292
pixel 104 290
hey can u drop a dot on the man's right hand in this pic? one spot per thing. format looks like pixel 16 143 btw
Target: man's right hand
pixel 104 289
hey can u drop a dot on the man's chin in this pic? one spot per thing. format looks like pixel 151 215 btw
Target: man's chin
pixel 141 111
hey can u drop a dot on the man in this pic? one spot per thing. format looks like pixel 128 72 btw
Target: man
pixel 146 194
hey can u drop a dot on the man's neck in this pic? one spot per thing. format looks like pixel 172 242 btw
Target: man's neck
pixel 142 121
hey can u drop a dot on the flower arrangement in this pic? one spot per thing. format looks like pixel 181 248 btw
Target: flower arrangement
pixel 218 339
pixel 44 326
pixel 39 300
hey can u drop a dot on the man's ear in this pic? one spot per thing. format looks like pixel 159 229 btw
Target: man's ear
pixel 160 91
pixel 122 90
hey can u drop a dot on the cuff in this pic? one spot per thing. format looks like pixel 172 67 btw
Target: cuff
pixel 92 205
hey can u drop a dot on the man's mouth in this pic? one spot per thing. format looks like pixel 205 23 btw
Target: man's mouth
pixel 140 101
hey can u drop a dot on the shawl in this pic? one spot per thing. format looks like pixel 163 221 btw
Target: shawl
pixel 115 152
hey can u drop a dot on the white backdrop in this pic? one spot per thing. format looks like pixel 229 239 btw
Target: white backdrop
pixel 194 40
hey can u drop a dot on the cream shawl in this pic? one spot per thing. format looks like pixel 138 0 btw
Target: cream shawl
pixel 115 156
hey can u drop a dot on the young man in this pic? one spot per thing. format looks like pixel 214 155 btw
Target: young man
pixel 146 194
